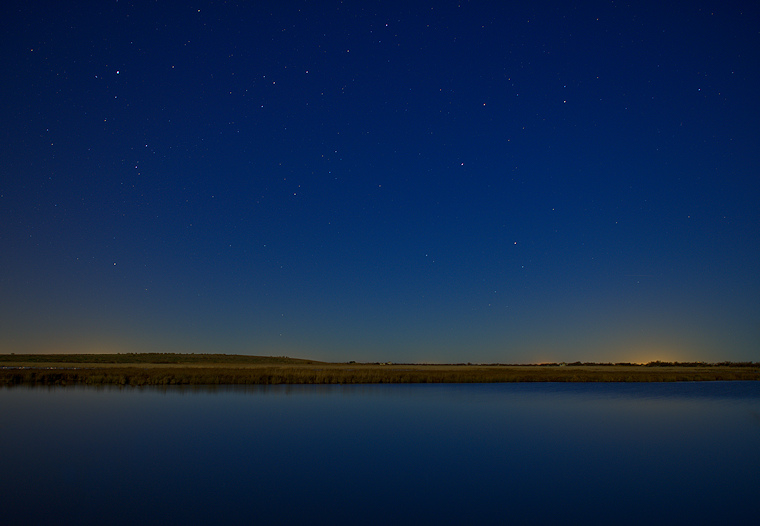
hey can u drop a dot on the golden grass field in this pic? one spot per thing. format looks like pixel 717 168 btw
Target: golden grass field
pixel 219 369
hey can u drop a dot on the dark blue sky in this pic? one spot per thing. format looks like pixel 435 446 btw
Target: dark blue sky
pixel 405 181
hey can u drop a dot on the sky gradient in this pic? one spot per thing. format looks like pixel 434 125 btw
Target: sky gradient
pixel 382 181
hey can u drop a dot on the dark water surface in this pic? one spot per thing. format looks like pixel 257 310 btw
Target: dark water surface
pixel 434 454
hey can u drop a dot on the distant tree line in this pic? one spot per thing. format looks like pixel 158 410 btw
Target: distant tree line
pixel 656 363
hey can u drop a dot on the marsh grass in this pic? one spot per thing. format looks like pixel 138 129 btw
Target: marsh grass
pixel 152 358
pixel 157 370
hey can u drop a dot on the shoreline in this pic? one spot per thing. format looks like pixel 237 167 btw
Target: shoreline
pixel 176 369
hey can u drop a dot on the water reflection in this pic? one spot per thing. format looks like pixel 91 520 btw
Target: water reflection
pixel 487 453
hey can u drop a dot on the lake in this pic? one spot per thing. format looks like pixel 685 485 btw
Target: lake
pixel 379 454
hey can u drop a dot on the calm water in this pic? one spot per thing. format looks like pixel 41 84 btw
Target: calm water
pixel 451 454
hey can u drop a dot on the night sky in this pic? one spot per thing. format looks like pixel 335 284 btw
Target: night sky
pixel 409 181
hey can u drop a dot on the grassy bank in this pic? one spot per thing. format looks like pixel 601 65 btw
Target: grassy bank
pixel 177 369
pixel 151 358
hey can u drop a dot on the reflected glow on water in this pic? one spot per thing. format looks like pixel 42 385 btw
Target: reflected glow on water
pixel 488 453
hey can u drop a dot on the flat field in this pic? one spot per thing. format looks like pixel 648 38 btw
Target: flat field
pixel 220 369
